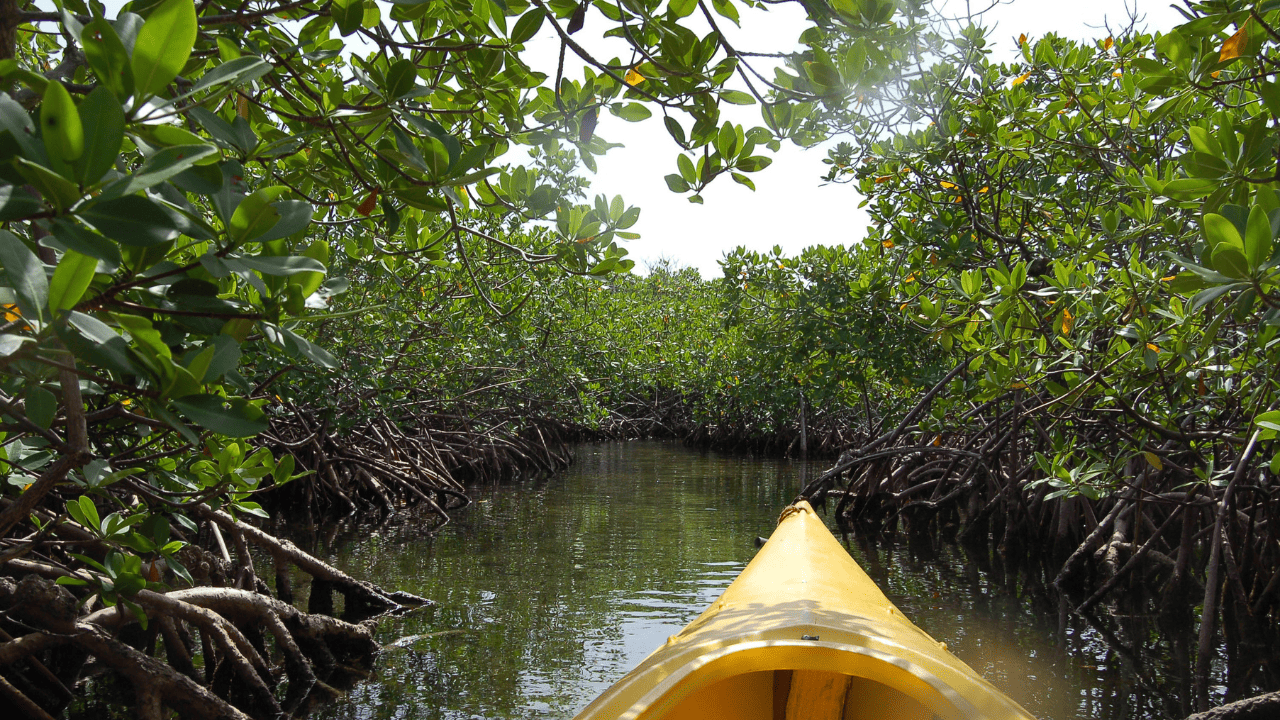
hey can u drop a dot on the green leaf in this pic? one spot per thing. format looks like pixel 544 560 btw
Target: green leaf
pixel 95 341
pixel 134 220
pixel 755 163
pixel 55 188
pixel 108 58
pixel 295 216
pixel 682 8
pixel 822 75
pixel 674 129
pixel 727 9
pixel 631 112
pixel 401 78
pixel 1218 229
pixel 436 157
pixel 1229 260
pixel 16 203
pixel 70 280
pixel 1189 188
pixel 1270 93
pixel 10 71
pixel 163 45
pixel 253 216
pixel 1257 238
pixel 233 417
pixel 60 124
pixel 308 283
pixel 252 508
pixel 158 168
pixel 528 25
pixel 278 265
pixel 10 344
pixel 1204 141
pixel 221 130
pixel 41 405
pixel 687 170
pixel 89 513
pixel 737 97
pixel 87 242
pixel 301 346
pixel 676 183
pixel 25 274
pixel 105 136
pixel 348 14
pixel 235 72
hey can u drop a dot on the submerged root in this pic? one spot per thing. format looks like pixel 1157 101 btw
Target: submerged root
pixel 248 640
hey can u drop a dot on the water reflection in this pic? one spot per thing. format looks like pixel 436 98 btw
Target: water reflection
pixel 550 591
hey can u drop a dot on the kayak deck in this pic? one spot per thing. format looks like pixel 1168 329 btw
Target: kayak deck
pixel 802 634
pixel 807 694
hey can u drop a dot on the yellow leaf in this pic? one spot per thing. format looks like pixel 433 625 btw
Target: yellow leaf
pixel 1018 386
pixel 1021 79
pixel 1108 43
pixel 1153 347
pixel 126 402
pixel 1117 74
pixel 1154 460
pixel 1067 321
pixel 11 313
pixel 1234 46
pixel 910 278
pixel 1168 278
pixel 947 185
pixel 937 440
pixel 633 78
pixel 1215 74
pixel 882 179
pixel 1022 39
pixel 984 189
pixel 886 244
pixel 242 106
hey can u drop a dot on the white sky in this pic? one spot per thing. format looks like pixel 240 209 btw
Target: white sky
pixel 790 207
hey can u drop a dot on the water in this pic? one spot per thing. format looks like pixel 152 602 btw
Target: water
pixel 550 591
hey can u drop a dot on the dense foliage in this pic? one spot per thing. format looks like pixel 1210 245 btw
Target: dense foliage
pixel 188 189
pixel 237 235
pixel 1086 237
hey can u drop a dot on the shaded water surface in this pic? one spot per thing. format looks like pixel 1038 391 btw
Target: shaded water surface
pixel 550 591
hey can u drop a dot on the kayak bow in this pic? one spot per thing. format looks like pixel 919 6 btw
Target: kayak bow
pixel 802 634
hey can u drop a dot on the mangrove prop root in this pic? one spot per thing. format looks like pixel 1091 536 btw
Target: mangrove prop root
pixel 1155 542
pixel 1262 707
pixel 412 456
pixel 238 626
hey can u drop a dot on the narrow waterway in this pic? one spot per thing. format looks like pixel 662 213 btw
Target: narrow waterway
pixel 549 591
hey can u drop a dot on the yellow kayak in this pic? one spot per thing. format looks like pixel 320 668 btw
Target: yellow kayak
pixel 802 634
